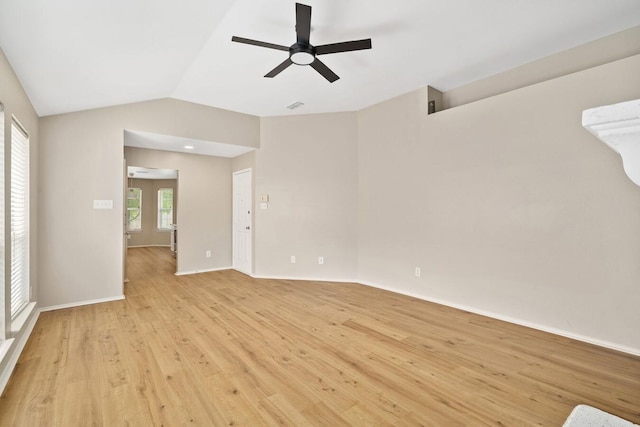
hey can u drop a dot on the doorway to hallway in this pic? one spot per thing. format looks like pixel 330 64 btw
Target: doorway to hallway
pixel 150 209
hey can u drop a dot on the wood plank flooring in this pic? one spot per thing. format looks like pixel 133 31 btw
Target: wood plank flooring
pixel 223 349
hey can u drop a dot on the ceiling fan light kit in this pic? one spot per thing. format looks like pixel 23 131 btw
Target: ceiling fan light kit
pixel 302 55
pixel 302 52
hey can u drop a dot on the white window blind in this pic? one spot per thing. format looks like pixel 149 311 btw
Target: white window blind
pixel 134 209
pixel 19 218
pixel 2 280
pixel 165 208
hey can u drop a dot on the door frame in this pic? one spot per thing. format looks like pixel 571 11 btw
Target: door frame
pixel 249 247
pixel 125 231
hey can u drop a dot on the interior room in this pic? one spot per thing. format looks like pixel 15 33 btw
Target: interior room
pixel 329 213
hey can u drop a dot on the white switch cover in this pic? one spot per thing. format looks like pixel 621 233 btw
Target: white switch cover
pixel 103 204
pixel 264 205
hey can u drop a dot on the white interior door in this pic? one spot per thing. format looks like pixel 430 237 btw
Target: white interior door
pixel 242 227
pixel 125 225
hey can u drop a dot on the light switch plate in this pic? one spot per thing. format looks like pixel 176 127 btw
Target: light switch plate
pixel 103 204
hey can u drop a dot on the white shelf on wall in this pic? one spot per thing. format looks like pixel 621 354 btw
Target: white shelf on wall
pixel 618 126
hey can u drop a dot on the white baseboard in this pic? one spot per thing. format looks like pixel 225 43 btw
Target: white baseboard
pixel 305 279
pixel 148 246
pixel 18 345
pixel 184 273
pixel 80 303
pixel 555 331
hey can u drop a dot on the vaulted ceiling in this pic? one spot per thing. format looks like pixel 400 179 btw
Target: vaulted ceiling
pixel 73 55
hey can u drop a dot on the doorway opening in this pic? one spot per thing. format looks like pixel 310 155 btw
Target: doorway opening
pixel 151 207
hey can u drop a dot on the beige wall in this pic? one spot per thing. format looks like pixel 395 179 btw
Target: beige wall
pixel 245 161
pixel 507 205
pixel 204 205
pixel 308 167
pixel 16 103
pixel 81 248
pixel 149 235
pixel 599 52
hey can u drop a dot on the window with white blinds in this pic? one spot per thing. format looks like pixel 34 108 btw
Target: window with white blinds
pixel 19 218
pixel 165 208
pixel 134 209
pixel 2 280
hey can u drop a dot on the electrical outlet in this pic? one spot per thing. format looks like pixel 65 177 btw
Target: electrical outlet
pixel 320 260
pixel 293 259
pixel 207 254
pixel 418 272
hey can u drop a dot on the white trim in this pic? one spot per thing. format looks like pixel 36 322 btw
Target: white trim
pixel 5 375
pixel 207 270
pixel 5 345
pixel 555 331
pixel 242 171
pixel 20 127
pixel 19 346
pixel 81 303
pixel 18 323
pixel 306 279
pixel 149 246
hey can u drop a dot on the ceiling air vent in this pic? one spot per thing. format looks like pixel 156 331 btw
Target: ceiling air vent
pixel 295 105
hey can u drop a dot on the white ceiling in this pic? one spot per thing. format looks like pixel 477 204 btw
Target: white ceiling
pixel 77 54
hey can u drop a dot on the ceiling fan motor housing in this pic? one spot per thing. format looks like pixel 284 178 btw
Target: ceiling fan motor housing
pixel 302 54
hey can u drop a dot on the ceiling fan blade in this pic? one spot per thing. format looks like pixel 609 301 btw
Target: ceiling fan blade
pixel 343 47
pixel 279 68
pixel 303 23
pixel 324 70
pixel 259 43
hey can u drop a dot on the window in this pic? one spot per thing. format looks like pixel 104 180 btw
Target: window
pixel 19 218
pixel 2 281
pixel 134 209
pixel 165 208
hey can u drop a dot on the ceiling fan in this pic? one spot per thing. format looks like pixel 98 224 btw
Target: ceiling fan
pixel 302 52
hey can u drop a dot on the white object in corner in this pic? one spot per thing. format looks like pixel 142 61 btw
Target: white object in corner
pixel 618 126
pixel 587 416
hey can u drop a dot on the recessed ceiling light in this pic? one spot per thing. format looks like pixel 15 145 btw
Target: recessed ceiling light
pixel 295 105
pixel 189 147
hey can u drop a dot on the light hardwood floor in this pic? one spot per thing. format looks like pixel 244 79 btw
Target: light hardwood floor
pixel 226 350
